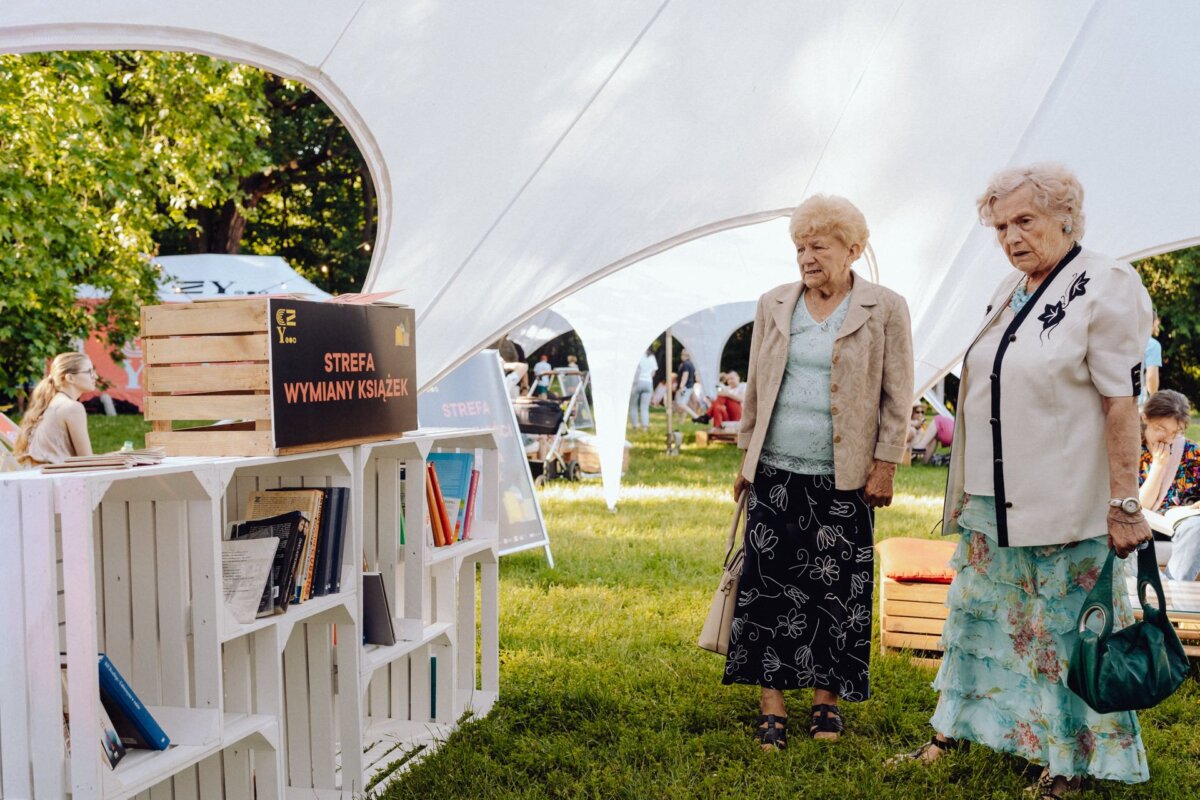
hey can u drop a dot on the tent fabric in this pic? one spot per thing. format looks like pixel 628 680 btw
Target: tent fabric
pixel 705 333
pixel 618 317
pixel 522 150
pixel 534 333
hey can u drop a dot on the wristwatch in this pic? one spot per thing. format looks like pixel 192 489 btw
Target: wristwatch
pixel 1130 505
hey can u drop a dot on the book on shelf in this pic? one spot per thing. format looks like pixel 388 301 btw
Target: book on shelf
pixel 245 570
pixel 135 725
pixel 1168 521
pixel 469 509
pixel 330 540
pixel 440 506
pixel 307 501
pixel 434 515
pixel 291 528
pixel 454 480
pixel 377 612
pixel 118 459
pixel 112 749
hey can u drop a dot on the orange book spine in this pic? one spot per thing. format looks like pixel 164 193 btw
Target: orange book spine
pixel 447 526
pixel 435 520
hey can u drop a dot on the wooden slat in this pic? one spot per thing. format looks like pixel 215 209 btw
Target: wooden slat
pixel 144 591
pixel 118 615
pixel 236 316
pixel 322 724
pixel 295 681
pixel 911 641
pixel 908 608
pixel 919 592
pixel 209 378
pixel 211 443
pixel 913 625
pixel 206 349
pixel 170 522
pixel 221 406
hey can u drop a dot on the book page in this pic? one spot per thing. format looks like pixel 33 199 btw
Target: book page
pixel 245 567
pixel 1158 523
pixel 1177 514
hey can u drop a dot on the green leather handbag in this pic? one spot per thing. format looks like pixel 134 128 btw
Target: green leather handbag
pixel 1135 667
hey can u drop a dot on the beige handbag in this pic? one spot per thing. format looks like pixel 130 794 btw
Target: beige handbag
pixel 714 636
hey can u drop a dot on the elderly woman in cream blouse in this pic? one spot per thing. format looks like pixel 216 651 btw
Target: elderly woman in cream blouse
pixel 823 426
pixel 1043 481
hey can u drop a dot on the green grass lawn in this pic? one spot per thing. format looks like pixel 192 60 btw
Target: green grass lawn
pixel 604 693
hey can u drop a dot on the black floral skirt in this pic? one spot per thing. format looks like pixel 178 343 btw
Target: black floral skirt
pixel 803 616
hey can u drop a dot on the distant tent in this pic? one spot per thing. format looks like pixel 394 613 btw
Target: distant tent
pixel 194 277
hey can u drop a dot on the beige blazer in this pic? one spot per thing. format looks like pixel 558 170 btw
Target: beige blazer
pixel 1080 338
pixel 871 378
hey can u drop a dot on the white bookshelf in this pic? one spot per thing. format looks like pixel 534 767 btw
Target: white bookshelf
pixel 128 563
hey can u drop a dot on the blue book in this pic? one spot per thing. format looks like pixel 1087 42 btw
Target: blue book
pixel 454 477
pixel 131 719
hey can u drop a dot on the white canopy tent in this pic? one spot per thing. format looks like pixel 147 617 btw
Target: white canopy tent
pixel 705 333
pixel 522 150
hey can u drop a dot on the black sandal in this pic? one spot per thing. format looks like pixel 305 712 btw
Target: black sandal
pixel 771 731
pixel 946 745
pixel 826 722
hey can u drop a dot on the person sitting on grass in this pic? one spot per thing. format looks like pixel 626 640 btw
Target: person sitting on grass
pixel 55 424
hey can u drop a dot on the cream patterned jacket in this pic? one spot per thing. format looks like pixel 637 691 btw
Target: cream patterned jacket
pixel 871 379
pixel 1078 339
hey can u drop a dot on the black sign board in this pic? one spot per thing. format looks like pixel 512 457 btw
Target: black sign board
pixel 341 371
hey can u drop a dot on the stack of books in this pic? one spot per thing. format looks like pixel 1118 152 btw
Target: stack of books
pixel 450 490
pixel 310 526
pixel 118 459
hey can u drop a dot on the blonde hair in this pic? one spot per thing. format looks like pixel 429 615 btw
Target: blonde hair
pixel 828 214
pixel 64 364
pixel 1056 193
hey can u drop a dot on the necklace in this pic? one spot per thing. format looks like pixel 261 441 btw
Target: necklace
pixel 1020 296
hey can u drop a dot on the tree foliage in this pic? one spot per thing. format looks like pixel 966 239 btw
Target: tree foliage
pixel 312 202
pixel 109 157
pixel 1172 280
pixel 99 152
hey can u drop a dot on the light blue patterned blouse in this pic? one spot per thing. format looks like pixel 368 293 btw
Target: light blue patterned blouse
pixel 800 436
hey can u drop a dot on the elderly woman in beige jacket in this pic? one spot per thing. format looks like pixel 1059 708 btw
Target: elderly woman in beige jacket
pixel 824 423
pixel 1043 481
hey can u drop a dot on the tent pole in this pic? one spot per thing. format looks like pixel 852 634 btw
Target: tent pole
pixel 672 442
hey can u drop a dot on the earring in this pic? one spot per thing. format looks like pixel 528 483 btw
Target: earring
pixel 1067 228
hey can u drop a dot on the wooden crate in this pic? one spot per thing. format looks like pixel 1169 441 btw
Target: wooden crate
pixel 213 361
pixel 911 616
pixel 208 361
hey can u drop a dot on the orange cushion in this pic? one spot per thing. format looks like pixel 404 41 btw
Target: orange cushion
pixel 906 559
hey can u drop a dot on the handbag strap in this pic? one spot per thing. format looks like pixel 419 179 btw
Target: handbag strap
pixel 1100 599
pixel 1148 576
pixel 733 527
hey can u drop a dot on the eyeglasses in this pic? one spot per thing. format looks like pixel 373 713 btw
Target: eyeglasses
pixel 91 372
pixel 1171 431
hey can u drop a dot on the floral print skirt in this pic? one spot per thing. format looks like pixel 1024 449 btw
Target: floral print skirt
pixel 1008 636
pixel 803 615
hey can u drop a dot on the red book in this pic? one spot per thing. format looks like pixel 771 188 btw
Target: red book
pixel 469 514
pixel 435 519
pixel 447 526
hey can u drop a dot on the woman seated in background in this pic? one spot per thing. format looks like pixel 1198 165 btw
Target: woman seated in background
pixel 1169 475
pixel 55 424
pixel 938 432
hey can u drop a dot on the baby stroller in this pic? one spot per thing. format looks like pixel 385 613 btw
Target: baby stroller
pixel 546 423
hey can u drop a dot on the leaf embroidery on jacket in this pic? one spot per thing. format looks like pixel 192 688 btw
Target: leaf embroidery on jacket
pixel 1055 313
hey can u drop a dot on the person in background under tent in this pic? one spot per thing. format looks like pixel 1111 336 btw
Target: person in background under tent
pixel 643 388
pixel 541 371
pixel 1152 361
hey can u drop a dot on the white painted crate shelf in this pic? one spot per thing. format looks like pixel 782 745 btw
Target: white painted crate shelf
pixel 128 563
